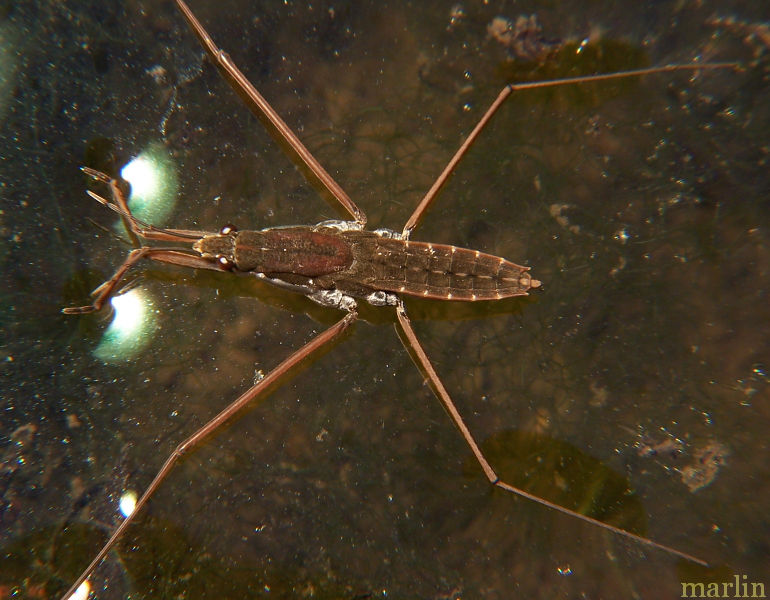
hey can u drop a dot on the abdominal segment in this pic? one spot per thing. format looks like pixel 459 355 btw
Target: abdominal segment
pixel 435 270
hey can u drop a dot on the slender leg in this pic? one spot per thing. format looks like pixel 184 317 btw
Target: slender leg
pixel 426 367
pixel 172 257
pixel 129 222
pixel 135 227
pixel 137 230
pixel 241 84
pixel 253 392
pixel 514 87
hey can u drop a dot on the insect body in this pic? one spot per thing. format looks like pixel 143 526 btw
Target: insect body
pixel 332 262
pixel 339 256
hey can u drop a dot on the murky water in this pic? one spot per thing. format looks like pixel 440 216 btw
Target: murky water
pixel 641 365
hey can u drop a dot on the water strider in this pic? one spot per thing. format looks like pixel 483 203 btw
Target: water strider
pixel 337 264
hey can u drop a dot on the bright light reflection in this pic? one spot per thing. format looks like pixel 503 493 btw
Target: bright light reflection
pixel 154 184
pixel 131 329
pixel 127 503
pixel 82 592
pixel 129 313
pixel 142 175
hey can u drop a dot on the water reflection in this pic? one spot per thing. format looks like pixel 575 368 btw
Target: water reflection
pixel 82 592
pixel 131 329
pixel 128 503
pixel 154 184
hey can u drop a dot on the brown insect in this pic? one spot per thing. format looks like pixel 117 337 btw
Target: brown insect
pixel 337 264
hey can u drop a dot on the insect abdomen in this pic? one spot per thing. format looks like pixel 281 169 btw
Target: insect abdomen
pixel 438 270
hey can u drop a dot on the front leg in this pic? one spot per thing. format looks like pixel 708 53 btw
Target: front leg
pixel 172 257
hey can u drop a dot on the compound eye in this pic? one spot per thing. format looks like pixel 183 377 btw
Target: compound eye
pixel 228 229
pixel 225 263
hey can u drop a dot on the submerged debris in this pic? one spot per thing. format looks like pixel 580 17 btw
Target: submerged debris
pixel 705 466
pixel 523 39
pixel 456 16
pixel 669 447
pixel 755 35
